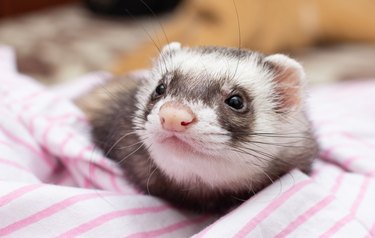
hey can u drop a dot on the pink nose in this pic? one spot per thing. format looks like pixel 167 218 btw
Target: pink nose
pixel 175 116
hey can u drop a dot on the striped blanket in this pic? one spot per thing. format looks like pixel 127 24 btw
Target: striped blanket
pixel 54 183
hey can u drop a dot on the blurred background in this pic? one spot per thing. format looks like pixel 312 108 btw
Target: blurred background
pixel 59 40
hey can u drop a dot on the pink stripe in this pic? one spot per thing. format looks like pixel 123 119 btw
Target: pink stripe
pixel 370 173
pixel 361 195
pixel 219 221
pixel 317 170
pixel 373 229
pixel 347 163
pixel 30 103
pixel 369 236
pixel 305 216
pixel 52 101
pixel 169 229
pixel 112 176
pixel 337 226
pixel 39 153
pixel 5 143
pixel 341 223
pixel 101 163
pixel 358 139
pixel 338 183
pixel 270 208
pixel 55 208
pixel 53 119
pixel 326 153
pixel 92 167
pixel 46 132
pixel 31 96
pixel 65 142
pixel 25 99
pixel 85 227
pixel 87 183
pixel 333 161
pixel 114 183
pixel 18 193
pixel 31 125
pixel 15 165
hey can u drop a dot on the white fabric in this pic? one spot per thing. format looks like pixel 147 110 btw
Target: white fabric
pixel 54 183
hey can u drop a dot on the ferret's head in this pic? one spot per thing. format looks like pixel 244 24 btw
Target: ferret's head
pixel 222 116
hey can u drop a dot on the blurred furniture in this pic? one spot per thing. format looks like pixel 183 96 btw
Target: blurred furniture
pixel 133 7
pixel 263 25
pixel 16 7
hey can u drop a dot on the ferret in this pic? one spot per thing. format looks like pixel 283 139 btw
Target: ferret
pixel 209 127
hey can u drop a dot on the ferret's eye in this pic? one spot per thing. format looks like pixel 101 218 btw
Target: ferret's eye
pixel 235 102
pixel 160 89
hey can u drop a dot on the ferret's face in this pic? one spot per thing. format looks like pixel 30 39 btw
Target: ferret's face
pixel 203 107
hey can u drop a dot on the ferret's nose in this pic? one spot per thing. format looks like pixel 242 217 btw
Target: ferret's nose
pixel 175 116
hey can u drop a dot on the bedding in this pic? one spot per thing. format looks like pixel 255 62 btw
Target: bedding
pixel 55 183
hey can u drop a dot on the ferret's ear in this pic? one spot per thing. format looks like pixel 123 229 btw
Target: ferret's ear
pixel 171 47
pixel 289 79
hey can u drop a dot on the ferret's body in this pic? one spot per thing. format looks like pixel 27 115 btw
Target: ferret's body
pixel 209 127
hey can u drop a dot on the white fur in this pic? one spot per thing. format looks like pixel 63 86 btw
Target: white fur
pixel 173 46
pixel 212 162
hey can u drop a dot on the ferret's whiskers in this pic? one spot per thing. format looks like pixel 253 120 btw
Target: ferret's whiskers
pixel 271 180
pixel 158 20
pixel 252 135
pixel 278 144
pixel 251 188
pixel 127 146
pixel 147 33
pixel 239 199
pixel 262 153
pixel 239 39
pixel 239 150
pixel 109 93
pixel 297 135
pixel 118 141
pixel 144 29
pixel 266 174
pixel 123 159
pixel 162 29
pixel 265 156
